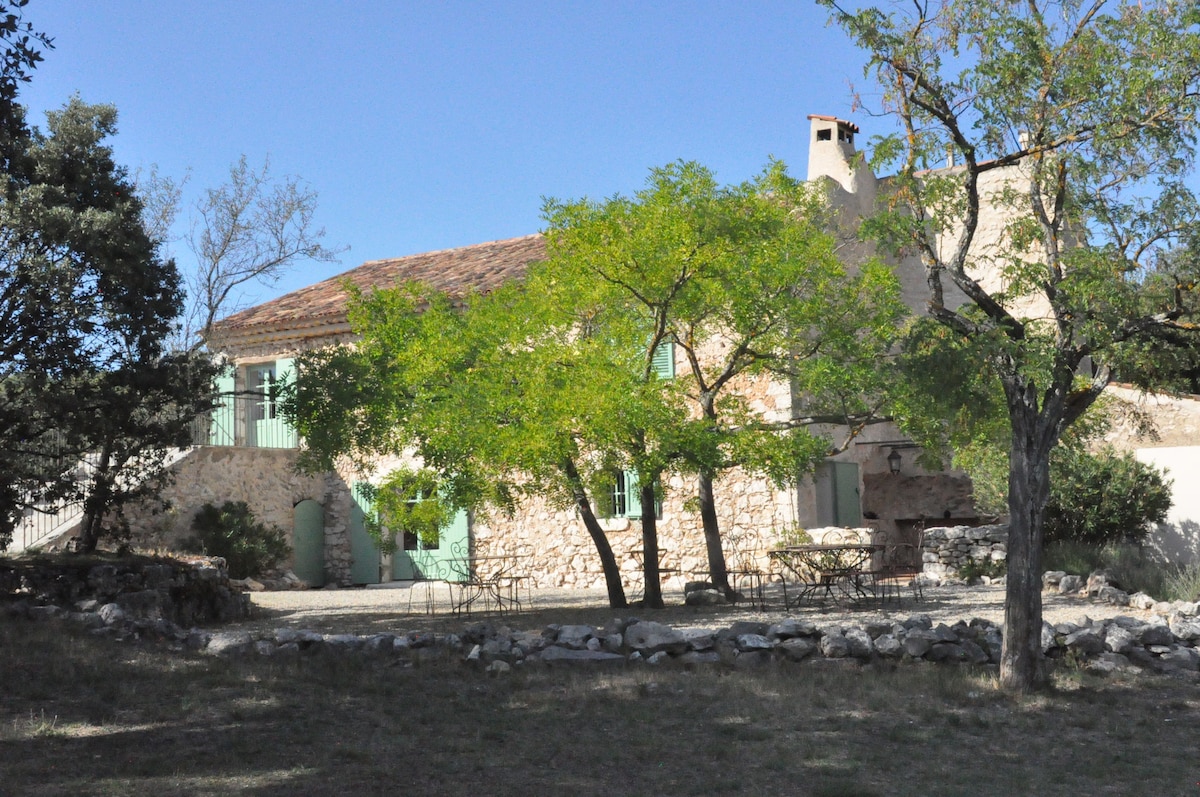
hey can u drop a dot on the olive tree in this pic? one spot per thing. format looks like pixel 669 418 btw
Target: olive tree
pixel 1075 123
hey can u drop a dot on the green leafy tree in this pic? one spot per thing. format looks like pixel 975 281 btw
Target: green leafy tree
pixel 85 301
pixel 552 385
pixel 134 416
pixel 744 282
pixel 481 389
pixel 1085 115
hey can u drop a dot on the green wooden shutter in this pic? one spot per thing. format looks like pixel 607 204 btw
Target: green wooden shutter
pixel 663 362
pixel 633 495
pixel 222 417
pixel 364 553
pixel 285 374
pixel 846 506
pixel 270 430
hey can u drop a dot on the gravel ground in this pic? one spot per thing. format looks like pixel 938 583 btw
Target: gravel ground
pixel 402 607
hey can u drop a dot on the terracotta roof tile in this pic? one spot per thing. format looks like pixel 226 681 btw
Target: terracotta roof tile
pixel 853 127
pixel 456 271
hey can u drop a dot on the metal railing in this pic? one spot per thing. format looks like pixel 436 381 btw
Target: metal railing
pixel 250 419
pixel 45 519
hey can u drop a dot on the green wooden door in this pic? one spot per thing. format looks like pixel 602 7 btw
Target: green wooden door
pixel 266 427
pixel 308 542
pixel 364 553
pixel 446 559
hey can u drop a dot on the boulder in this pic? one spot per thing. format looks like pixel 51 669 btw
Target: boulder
pixel 917 642
pixel 574 636
pixel 648 638
pixel 1118 639
pixel 1086 641
pixel 797 648
pixel 705 597
pixel 835 646
pixel 790 628
pixel 229 643
pixel 749 642
pixel 888 646
pixel 860 643
pixel 1069 585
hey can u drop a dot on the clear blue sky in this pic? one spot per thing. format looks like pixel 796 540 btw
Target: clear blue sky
pixel 429 125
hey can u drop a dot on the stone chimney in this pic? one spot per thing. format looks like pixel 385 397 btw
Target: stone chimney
pixel 831 154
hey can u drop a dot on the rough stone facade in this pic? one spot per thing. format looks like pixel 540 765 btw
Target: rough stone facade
pixel 554 550
pixel 266 479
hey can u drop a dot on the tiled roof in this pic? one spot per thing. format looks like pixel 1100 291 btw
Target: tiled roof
pixel 481 267
pixel 853 127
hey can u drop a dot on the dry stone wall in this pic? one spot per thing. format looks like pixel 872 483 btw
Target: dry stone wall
pixel 160 591
pixel 947 550
pixel 1164 643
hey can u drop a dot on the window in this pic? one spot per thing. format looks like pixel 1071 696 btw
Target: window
pixel 624 497
pixel 824 134
pixel 265 427
pixel 411 541
pixel 247 407
pixel 262 383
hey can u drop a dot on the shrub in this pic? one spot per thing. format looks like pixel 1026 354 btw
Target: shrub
pixel 793 535
pixel 247 545
pixel 976 569
pixel 1182 583
pixel 1130 566
pixel 1104 498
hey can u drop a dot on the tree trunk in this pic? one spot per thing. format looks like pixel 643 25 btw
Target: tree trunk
pixel 95 504
pixel 1022 664
pixel 717 571
pixel 608 561
pixel 652 599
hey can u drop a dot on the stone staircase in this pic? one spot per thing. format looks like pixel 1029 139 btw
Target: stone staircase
pixel 52 522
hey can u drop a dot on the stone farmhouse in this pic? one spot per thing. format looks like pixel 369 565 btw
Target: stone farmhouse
pixel 247 453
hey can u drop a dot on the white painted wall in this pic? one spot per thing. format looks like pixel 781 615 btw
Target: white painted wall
pixel 1178 539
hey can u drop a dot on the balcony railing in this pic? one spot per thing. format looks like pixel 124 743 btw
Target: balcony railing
pixel 251 420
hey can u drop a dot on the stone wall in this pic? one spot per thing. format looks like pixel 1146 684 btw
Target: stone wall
pixel 1166 643
pixel 555 550
pixel 946 550
pixel 178 592
pixel 266 479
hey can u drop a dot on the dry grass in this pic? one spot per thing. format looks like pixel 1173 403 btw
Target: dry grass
pixel 85 716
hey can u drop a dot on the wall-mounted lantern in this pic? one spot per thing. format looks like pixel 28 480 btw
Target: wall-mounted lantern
pixel 893 461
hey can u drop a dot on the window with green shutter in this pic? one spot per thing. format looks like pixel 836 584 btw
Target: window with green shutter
pixel 623 498
pixel 663 362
